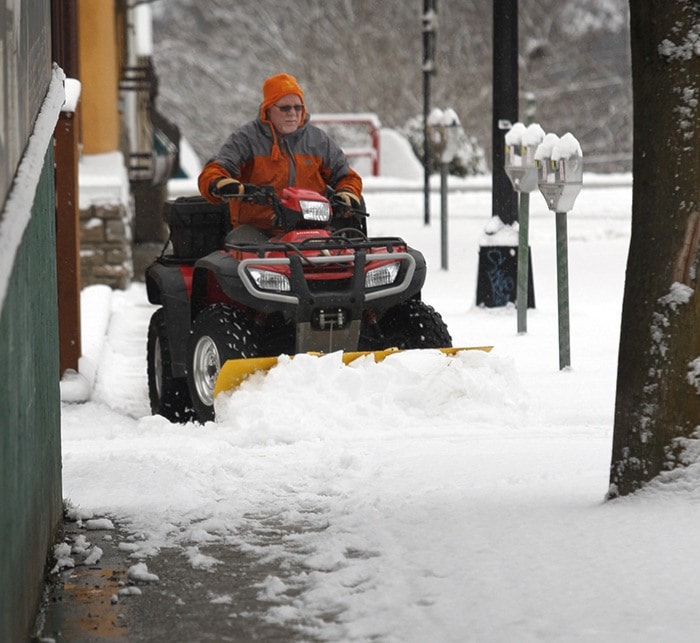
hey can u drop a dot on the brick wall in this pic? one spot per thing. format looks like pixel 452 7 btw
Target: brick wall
pixel 106 221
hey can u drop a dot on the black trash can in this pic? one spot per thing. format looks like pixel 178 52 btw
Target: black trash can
pixel 497 283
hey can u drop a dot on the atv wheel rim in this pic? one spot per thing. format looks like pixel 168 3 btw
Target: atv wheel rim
pixel 206 365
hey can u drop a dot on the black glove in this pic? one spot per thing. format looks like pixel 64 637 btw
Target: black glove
pixel 347 199
pixel 226 188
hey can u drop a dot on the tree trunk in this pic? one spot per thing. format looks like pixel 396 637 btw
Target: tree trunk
pixel 657 409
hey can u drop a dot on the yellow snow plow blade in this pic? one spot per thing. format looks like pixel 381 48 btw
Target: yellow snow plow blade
pixel 234 371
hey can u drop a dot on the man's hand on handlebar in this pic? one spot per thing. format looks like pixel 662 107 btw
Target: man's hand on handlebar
pixel 346 204
pixel 226 188
pixel 348 199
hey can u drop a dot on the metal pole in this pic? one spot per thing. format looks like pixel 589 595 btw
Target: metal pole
pixel 563 291
pixel 429 10
pixel 444 167
pixel 523 260
pixel 505 103
pixel 426 149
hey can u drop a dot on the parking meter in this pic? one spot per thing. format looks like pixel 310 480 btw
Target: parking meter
pixel 559 171
pixel 445 134
pixel 560 177
pixel 452 133
pixel 521 144
pixel 436 134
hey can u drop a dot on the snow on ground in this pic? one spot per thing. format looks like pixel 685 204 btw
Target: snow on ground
pixel 423 498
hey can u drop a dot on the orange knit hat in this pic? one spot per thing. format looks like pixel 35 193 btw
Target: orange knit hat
pixel 277 86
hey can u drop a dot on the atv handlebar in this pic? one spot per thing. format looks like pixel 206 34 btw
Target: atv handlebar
pixel 259 194
pixel 266 195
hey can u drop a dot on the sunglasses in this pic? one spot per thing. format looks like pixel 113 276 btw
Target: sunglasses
pixel 289 108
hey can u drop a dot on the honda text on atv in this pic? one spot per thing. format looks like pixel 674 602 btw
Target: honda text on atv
pixel 228 297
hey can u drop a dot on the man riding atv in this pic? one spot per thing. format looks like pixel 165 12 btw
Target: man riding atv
pixel 266 264
pixel 282 149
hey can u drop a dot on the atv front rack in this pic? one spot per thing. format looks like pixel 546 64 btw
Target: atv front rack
pixel 331 243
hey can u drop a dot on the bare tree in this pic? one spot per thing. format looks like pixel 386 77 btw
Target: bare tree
pixel 657 411
pixel 363 55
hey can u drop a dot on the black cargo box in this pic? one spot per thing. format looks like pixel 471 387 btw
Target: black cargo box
pixel 197 227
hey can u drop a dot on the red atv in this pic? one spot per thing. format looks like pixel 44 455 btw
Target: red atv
pixel 320 285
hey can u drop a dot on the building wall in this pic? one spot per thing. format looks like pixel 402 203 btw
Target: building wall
pixel 100 62
pixel 25 57
pixel 105 245
pixel 30 447
pixel 30 415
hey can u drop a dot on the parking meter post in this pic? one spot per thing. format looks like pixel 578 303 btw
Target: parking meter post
pixel 521 143
pixel 444 167
pixel 563 291
pixel 523 260
pixel 435 136
pixel 560 177
pixel 445 137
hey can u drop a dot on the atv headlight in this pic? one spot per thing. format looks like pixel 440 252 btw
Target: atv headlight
pixel 269 280
pixel 315 210
pixel 382 276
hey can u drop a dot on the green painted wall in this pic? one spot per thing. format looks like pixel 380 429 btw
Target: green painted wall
pixel 30 417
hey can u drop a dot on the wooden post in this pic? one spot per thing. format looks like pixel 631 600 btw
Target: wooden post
pixel 100 68
pixel 68 239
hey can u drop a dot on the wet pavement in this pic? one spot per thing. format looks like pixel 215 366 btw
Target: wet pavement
pixel 101 603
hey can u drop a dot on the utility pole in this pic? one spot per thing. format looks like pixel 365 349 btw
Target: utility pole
pixel 429 29
pixel 505 103
pixel 497 275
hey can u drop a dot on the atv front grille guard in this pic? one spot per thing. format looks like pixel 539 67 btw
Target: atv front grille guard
pixel 296 269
